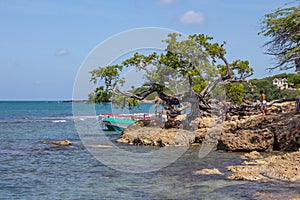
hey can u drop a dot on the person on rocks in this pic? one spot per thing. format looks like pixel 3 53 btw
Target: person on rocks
pixel 165 115
pixel 263 105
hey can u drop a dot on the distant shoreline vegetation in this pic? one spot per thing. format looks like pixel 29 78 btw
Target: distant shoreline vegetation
pixel 71 101
pixel 272 91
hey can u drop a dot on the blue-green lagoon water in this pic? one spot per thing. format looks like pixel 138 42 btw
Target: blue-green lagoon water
pixel 33 169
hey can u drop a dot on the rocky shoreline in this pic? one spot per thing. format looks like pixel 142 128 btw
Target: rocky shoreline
pixel 281 167
pixel 279 130
pixel 285 167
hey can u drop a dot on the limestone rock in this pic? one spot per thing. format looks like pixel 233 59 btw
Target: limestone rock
pixel 263 196
pixel 247 140
pixel 281 167
pixel 209 172
pixel 155 136
pixel 253 155
pixel 61 142
pixel 208 129
pixel 287 134
pixel 246 176
pixel 278 130
pixel 200 135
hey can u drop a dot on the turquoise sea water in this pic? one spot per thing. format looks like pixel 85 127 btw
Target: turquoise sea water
pixel 33 169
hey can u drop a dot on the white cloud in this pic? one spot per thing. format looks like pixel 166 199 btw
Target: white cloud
pixel 191 17
pixel 165 2
pixel 62 52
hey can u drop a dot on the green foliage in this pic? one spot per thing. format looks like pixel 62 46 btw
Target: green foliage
pixel 283 27
pixel 187 64
pixel 160 88
pixel 271 91
pixel 100 95
pixel 124 102
pixel 235 92
pixel 110 76
pixel 139 60
pixel 294 80
pixel 133 103
pixel 222 70
pixel 199 84
pixel 186 60
pixel 241 67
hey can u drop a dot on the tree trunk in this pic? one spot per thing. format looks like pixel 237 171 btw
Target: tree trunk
pixel 194 113
pixel 298 105
pixel 297 63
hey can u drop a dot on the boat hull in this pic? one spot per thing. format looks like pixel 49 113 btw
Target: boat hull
pixel 118 122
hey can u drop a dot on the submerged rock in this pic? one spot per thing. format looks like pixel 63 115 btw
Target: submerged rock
pixel 213 171
pixel 253 155
pixel 266 195
pixel 245 173
pixel 61 142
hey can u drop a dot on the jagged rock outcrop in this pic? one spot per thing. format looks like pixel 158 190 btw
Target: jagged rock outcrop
pixel 156 136
pixel 286 132
pixel 279 130
pixel 247 140
pixel 284 167
pixel 240 135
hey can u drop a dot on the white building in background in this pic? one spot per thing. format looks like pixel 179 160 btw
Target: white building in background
pixel 281 83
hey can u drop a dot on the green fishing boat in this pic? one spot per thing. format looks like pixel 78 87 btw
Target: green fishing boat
pixel 118 122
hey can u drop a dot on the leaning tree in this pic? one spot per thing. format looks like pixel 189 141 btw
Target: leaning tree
pixel 283 28
pixel 189 72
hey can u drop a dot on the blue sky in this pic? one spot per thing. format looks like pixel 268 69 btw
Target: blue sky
pixel 44 43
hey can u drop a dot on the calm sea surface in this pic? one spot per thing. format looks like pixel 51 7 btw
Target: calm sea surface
pixel 32 169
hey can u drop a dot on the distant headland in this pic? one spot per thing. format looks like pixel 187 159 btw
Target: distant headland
pixel 68 101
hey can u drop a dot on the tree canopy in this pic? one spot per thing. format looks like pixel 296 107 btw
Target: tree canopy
pixel 294 80
pixel 283 28
pixel 189 71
